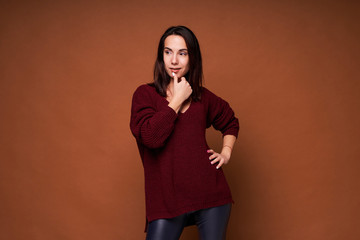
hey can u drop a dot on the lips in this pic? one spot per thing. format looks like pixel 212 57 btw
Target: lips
pixel 175 70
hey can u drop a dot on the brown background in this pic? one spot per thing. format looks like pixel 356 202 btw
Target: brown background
pixel 69 165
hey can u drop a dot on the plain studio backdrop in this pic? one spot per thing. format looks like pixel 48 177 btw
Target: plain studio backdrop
pixel 69 166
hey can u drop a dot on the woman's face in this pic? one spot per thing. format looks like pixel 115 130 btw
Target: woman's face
pixel 176 56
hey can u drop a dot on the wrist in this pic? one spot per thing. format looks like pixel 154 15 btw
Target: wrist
pixel 226 151
pixel 175 104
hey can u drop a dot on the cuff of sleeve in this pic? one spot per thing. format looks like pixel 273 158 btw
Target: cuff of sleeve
pixel 170 115
pixel 231 132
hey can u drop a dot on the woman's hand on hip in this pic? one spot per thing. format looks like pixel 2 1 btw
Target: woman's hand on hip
pixel 219 158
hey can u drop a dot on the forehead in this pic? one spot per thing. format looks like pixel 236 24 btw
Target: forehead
pixel 175 42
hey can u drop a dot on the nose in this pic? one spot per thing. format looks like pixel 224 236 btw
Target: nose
pixel 174 60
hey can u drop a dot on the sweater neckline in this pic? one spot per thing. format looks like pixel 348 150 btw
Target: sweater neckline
pixel 186 109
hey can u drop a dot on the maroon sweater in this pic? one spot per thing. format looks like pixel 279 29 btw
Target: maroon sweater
pixel 178 175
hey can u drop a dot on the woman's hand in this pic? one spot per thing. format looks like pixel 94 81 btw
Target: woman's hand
pixel 182 89
pixel 220 158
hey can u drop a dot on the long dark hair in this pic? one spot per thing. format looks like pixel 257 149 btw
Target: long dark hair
pixel 195 73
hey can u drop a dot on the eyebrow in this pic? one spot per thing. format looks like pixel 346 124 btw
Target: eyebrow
pixel 183 49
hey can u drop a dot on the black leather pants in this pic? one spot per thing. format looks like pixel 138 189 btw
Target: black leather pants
pixel 211 223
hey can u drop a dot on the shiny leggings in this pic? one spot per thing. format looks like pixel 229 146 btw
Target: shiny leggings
pixel 211 223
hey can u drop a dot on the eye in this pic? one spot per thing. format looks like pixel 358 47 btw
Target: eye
pixel 183 53
pixel 167 52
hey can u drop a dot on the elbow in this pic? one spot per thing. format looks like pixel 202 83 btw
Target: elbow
pixel 231 130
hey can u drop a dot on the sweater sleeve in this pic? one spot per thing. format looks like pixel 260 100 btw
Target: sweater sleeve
pixel 220 115
pixel 150 126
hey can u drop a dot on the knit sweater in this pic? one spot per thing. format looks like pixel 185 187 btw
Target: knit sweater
pixel 179 177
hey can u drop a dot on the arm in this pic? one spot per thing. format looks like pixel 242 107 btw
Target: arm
pixel 222 117
pixel 150 126
pixel 224 156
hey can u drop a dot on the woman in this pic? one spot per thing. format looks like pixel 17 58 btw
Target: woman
pixel 184 182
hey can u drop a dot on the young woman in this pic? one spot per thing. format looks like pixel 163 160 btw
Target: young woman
pixel 184 182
